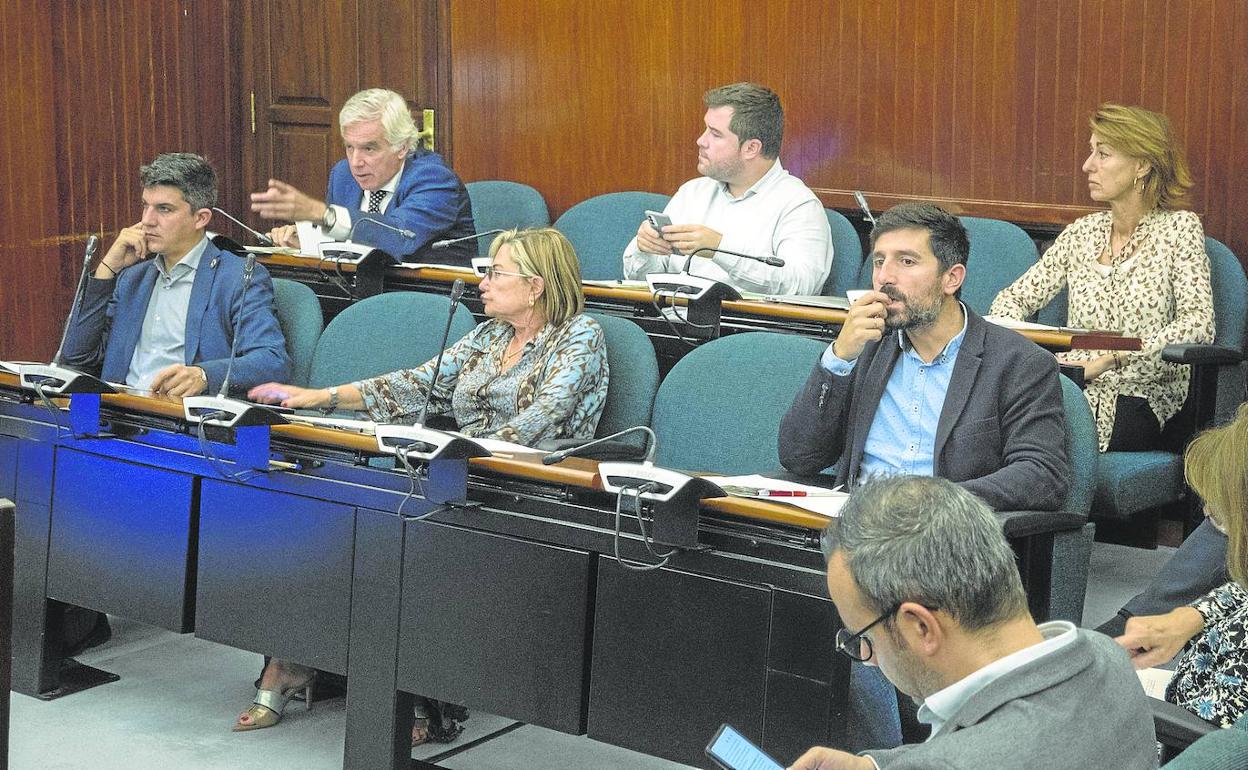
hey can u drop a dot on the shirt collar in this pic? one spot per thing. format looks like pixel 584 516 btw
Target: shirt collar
pixel 941 706
pixel 950 351
pixel 773 172
pixel 189 263
pixel 393 184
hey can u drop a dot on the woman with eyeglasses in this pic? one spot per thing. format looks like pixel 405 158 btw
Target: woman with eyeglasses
pixel 1211 634
pixel 536 370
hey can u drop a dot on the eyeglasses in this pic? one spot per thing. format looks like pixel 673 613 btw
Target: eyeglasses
pixel 492 272
pixel 851 645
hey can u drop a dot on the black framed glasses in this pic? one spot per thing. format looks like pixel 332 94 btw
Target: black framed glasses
pixel 851 644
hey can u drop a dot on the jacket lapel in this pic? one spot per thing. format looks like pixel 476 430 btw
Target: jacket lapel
pixel 134 313
pixel 965 369
pixel 867 402
pixel 201 291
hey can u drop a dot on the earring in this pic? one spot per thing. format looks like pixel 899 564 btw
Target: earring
pixel 532 299
pixel 1139 183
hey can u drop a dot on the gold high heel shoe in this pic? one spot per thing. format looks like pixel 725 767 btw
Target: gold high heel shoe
pixel 266 710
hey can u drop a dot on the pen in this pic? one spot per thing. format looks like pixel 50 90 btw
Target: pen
pixel 798 493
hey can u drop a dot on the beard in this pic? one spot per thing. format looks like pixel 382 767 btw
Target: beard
pixel 917 312
pixel 724 170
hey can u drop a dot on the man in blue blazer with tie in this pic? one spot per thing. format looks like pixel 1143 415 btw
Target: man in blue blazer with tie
pixel 162 308
pixel 387 177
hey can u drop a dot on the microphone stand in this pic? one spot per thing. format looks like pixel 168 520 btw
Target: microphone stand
pixel 703 296
pixel 221 410
pixel 370 262
pixel 439 245
pixel 445 453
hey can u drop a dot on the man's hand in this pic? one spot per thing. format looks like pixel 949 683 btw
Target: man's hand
pixel 820 758
pixel 285 235
pixel 865 323
pixel 282 201
pixel 129 248
pixel 690 238
pixel 180 381
pixel 1154 639
pixel 649 240
pixel 1091 369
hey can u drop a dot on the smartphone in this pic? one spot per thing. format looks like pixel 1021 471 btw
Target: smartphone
pixel 733 751
pixel 658 220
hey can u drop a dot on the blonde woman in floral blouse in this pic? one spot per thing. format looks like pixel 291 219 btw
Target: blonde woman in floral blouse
pixel 1211 676
pixel 1140 267
pixel 536 370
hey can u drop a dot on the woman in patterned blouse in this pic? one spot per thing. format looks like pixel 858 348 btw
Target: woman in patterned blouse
pixel 1212 632
pixel 1140 267
pixel 536 370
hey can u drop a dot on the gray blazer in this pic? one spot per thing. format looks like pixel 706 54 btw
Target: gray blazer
pixel 1081 706
pixel 1001 433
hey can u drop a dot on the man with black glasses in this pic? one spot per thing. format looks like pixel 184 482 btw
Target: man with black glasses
pixel 927 589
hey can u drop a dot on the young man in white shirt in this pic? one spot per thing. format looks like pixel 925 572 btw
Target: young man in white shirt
pixel 744 202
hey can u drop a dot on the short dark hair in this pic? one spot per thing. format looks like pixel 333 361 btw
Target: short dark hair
pixel 188 172
pixel 950 243
pixel 756 114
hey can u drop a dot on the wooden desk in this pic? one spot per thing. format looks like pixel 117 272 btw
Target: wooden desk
pixel 739 315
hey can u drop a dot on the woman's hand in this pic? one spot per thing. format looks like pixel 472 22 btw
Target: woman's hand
pixel 1154 639
pixel 289 396
pixel 1091 369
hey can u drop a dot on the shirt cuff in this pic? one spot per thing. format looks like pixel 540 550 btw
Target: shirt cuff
pixel 873 762
pixel 834 364
pixel 342 225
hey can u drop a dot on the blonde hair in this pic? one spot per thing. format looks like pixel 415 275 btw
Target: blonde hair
pixel 1146 135
pixel 1215 467
pixel 544 252
pixel 386 106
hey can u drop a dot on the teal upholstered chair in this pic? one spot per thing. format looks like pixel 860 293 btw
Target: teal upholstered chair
pixel 846 255
pixel 499 205
pixel 1203 745
pixel 601 227
pixel 719 408
pixel 383 333
pixel 299 314
pixel 1000 253
pixel 1130 486
pixel 634 377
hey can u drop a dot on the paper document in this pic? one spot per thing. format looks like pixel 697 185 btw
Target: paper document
pixel 814 300
pixel 620 284
pixel 1155 681
pixel 274 250
pixel 816 499
pixel 366 427
pixel 498 447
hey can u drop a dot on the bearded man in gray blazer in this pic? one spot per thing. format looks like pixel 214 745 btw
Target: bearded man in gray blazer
pixel 925 584
pixel 917 383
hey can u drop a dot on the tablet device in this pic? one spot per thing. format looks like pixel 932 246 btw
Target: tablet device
pixel 733 751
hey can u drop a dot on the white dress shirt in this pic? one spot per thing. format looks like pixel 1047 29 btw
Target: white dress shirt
pixel 162 339
pixel 342 225
pixel 779 216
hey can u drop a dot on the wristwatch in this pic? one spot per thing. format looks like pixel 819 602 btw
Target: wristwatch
pixel 329 218
pixel 333 400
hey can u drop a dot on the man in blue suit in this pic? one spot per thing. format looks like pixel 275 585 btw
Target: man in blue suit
pixel 162 308
pixel 386 177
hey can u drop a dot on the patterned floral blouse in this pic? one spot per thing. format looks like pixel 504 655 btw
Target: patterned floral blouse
pixel 1157 289
pixel 1209 680
pixel 557 389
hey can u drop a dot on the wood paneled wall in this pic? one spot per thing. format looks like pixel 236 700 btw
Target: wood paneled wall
pixel 982 104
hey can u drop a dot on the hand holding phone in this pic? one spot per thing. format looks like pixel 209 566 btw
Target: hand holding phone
pixel 658 220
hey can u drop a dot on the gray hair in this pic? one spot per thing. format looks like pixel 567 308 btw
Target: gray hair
pixel 386 106
pixel 927 540
pixel 188 172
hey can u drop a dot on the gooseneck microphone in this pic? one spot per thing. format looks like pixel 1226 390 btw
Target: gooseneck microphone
pixel 862 204
pixel 361 220
pixel 452 241
pixel 248 269
pixel 766 259
pixel 93 243
pixel 457 291
pixel 563 454
pixel 259 236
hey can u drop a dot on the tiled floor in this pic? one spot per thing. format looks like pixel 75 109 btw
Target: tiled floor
pixel 178 696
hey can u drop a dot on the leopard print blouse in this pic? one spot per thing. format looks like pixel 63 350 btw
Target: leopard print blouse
pixel 1157 289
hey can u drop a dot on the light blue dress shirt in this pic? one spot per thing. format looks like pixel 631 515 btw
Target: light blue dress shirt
pixel 902 439
pixel 162 341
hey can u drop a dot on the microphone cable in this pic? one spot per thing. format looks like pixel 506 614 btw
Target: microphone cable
pixel 635 492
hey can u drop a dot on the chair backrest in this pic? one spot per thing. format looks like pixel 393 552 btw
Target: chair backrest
pixel 1230 295
pixel 601 227
pixel 1000 253
pixel 299 314
pixel 634 377
pixel 719 408
pixel 1081 448
pixel 846 255
pixel 499 205
pixel 384 333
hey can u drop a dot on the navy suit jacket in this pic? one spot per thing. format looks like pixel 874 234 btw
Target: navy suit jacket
pixel 1001 432
pixel 105 330
pixel 430 200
